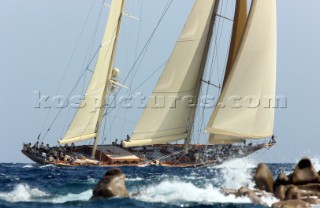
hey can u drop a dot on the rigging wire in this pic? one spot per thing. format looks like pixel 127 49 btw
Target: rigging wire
pixel 213 47
pixel 144 49
pixel 68 65
pixel 60 110
pixel 141 55
pixel 91 45
pixel 82 74
pixel 135 56
pixel 132 92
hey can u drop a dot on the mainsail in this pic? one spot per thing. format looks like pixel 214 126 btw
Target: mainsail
pixel 178 83
pixel 87 121
pixel 246 106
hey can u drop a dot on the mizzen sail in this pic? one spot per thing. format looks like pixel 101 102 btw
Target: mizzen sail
pixel 246 106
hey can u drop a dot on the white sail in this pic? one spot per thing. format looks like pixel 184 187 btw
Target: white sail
pixel 179 80
pixel 87 120
pixel 252 78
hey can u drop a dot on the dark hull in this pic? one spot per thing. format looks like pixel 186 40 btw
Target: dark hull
pixel 168 155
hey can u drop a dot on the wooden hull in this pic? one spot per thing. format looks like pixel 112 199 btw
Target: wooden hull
pixel 167 155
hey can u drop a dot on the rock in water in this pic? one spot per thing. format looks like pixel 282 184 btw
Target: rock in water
pixel 251 195
pixel 313 187
pixel 263 178
pixel 282 179
pixel 291 204
pixel 112 184
pixel 304 173
pixel 293 193
pixel 280 192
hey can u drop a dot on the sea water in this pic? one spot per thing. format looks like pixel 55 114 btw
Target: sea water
pixel 31 185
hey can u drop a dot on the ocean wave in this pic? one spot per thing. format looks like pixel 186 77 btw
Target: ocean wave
pixel 237 173
pixel 134 179
pixel 28 166
pixel 91 180
pixel 183 193
pixel 48 166
pixel 177 192
pixel 84 196
pixel 22 193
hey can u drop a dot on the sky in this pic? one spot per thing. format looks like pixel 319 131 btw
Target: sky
pixel 45 45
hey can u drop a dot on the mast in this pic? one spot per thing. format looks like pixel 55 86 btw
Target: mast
pixel 88 119
pixel 245 107
pixel 202 68
pixel 239 23
pixel 179 82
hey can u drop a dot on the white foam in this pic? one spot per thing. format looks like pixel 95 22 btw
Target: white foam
pixel 84 196
pixel 174 192
pixel 48 166
pixel 269 200
pixel 28 166
pixel 92 180
pixel 22 193
pixel 316 162
pixel 134 179
pixel 237 173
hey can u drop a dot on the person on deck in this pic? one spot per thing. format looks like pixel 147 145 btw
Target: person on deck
pixel 36 145
pixel 47 148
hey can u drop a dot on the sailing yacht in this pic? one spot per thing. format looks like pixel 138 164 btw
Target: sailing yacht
pixel 244 112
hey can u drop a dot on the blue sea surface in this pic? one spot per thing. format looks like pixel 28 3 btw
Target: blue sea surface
pixel 31 185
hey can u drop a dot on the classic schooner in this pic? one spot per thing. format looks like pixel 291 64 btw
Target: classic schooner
pixel 243 113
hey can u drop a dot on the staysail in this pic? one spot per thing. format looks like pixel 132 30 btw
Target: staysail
pixel 168 116
pixel 246 106
pixel 88 118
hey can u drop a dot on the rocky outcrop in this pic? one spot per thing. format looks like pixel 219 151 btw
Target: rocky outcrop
pixel 304 173
pixel 280 192
pixel 291 204
pixel 112 184
pixel 299 189
pixel 263 178
pixel 293 193
pixel 282 179
pixel 255 199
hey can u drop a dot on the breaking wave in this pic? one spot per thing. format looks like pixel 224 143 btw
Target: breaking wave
pixel 159 186
pixel 233 175
pixel 24 193
pixel 177 192
pixel 237 173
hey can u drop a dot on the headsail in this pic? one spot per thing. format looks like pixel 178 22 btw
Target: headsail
pixel 178 82
pixel 88 118
pixel 245 107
